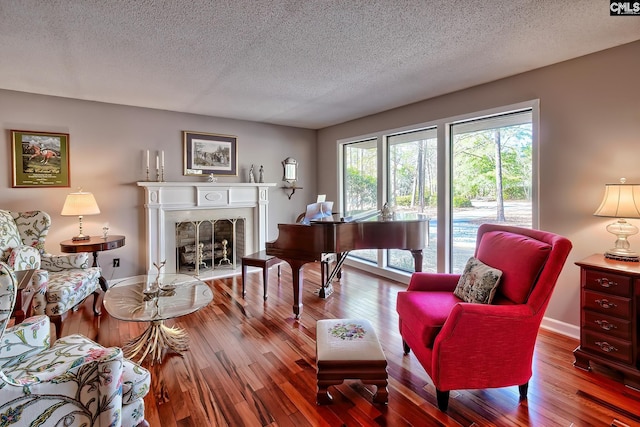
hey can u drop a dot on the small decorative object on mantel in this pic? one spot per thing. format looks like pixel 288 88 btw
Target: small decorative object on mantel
pixel 261 175
pixel 212 178
pixel 159 166
pixel 252 177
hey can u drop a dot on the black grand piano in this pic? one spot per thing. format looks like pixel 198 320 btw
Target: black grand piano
pixel 299 244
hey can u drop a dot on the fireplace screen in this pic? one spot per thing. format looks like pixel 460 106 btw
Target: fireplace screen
pixel 209 245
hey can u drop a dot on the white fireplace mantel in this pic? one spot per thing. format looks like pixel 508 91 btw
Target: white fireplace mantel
pixel 168 202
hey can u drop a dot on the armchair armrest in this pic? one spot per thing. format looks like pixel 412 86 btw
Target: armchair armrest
pixel 65 262
pixel 25 340
pixel 24 257
pixel 422 281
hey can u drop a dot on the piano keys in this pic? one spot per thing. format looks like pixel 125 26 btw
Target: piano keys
pixel 299 244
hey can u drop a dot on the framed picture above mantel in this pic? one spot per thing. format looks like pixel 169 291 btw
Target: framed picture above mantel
pixel 39 159
pixel 209 153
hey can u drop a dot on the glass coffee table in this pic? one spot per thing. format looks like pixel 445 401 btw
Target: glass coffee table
pixel 154 299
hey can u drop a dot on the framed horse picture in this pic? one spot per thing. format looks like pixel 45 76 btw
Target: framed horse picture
pixel 209 153
pixel 39 159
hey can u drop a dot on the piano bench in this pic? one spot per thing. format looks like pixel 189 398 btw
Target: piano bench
pixel 262 260
pixel 349 349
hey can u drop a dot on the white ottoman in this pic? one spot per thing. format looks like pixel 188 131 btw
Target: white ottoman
pixel 349 349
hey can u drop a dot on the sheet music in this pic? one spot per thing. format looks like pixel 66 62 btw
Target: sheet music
pixel 316 211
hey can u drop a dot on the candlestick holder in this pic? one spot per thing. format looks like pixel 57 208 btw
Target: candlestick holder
pixel 162 174
pixel 158 175
pixel 147 173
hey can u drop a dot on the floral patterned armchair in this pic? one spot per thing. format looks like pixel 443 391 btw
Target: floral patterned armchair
pixel 75 382
pixel 62 281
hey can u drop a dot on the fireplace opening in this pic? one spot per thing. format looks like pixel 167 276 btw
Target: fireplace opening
pixel 210 244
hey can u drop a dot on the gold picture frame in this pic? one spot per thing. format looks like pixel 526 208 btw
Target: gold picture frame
pixel 210 153
pixel 39 159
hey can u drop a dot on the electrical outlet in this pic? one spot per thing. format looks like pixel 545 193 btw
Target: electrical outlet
pixel 116 262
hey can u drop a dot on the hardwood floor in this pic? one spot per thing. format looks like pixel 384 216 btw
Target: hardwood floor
pixel 251 363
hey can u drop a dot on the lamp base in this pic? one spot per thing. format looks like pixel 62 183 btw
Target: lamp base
pixel 620 257
pixel 80 238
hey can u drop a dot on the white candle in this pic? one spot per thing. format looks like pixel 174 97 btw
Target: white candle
pixel 162 158
pixel 157 163
pixel 147 159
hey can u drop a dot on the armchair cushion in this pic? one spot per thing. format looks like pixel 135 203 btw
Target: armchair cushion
pixel 519 257
pixel 65 289
pixel 9 235
pixel 478 282
pixel 424 313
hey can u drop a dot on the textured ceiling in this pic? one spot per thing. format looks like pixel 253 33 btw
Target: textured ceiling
pixel 309 63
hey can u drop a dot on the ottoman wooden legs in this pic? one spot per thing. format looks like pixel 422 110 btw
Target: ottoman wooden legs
pixel 369 372
pixel 349 349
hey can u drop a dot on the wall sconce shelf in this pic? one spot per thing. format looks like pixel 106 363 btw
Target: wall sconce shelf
pixel 292 188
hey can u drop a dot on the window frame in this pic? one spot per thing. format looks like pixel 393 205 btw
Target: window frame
pixel 444 173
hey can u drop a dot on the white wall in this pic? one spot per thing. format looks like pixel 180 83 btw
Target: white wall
pixel 106 143
pixel 589 136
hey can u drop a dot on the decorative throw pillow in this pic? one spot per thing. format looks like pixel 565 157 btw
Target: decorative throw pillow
pixel 478 282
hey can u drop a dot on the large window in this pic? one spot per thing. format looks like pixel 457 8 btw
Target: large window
pixel 459 172
pixel 413 187
pixel 491 178
pixel 360 169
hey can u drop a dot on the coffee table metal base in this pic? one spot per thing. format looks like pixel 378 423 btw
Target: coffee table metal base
pixel 155 340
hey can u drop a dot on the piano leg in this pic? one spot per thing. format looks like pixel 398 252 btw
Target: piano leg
pixel 298 279
pixel 417 259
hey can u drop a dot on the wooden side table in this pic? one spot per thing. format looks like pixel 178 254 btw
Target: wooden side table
pixel 94 244
pixel 610 317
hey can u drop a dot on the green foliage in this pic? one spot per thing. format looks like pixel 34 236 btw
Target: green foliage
pixel 461 202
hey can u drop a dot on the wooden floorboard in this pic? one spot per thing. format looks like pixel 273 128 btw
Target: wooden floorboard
pixel 251 363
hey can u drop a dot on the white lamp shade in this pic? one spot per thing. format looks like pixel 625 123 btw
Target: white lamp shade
pixel 620 201
pixel 80 203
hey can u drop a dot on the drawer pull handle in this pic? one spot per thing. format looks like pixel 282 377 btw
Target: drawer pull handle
pixel 605 346
pixel 604 303
pixel 606 283
pixel 607 326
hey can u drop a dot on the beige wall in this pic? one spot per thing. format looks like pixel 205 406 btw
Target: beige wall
pixel 106 145
pixel 589 136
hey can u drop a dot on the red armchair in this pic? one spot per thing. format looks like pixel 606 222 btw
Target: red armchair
pixel 466 345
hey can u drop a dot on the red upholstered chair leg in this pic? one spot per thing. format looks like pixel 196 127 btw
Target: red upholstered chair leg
pixel 443 399
pixel 406 347
pixel 523 389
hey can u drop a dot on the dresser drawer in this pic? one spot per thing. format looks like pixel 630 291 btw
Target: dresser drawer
pixel 607 325
pixel 607 346
pixel 609 283
pixel 607 304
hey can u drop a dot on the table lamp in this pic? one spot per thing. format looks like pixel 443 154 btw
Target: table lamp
pixel 621 201
pixel 80 204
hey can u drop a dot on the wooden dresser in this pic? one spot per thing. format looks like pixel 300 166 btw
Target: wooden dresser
pixel 610 316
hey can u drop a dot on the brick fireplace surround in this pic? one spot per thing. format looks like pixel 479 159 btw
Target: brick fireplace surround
pixel 168 203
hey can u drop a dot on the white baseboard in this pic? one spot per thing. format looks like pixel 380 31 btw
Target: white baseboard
pixel 562 328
